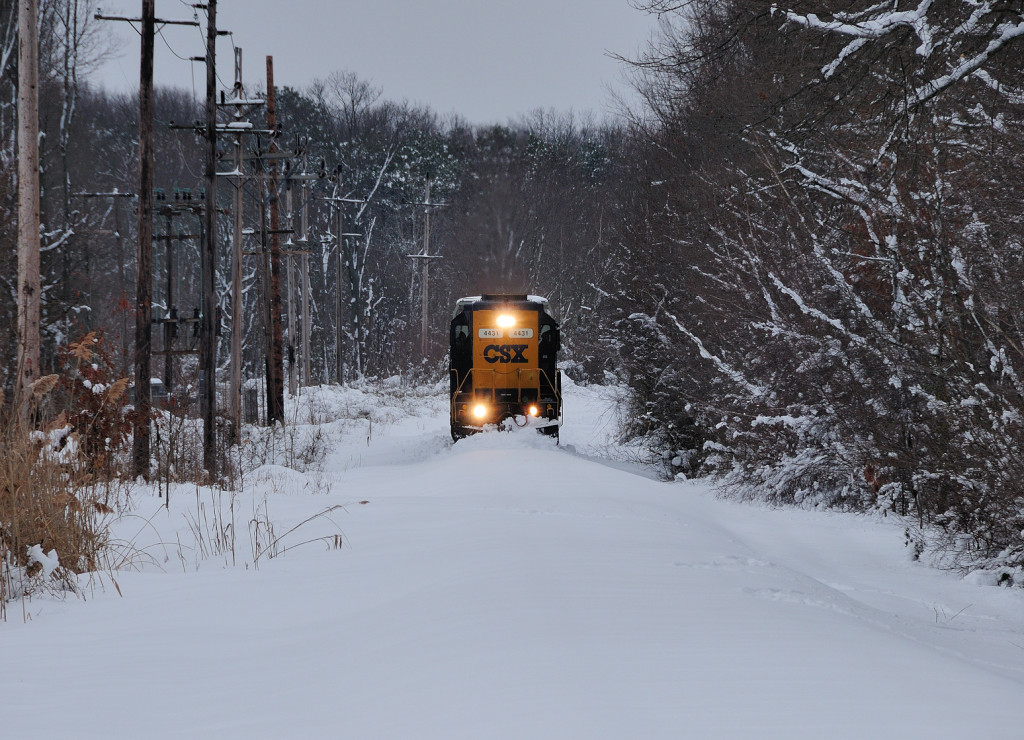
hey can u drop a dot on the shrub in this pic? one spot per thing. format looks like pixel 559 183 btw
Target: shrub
pixel 93 402
pixel 57 476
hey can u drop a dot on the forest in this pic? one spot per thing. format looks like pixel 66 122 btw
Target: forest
pixel 802 255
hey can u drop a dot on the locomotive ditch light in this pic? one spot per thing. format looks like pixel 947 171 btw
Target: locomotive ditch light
pixel 533 411
pixel 479 411
pixel 506 320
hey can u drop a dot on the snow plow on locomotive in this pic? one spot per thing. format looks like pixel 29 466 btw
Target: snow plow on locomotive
pixel 502 363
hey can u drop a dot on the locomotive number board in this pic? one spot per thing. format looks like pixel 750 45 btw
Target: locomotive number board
pixel 500 333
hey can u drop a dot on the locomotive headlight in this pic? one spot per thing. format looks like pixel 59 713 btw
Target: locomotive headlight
pixel 479 411
pixel 533 411
pixel 506 320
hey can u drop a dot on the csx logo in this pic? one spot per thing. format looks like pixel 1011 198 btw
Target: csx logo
pixel 505 353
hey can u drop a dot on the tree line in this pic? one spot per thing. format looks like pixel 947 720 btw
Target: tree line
pixel 831 217
pixel 802 254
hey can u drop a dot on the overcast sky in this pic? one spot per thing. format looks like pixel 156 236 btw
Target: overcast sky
pixel 487 60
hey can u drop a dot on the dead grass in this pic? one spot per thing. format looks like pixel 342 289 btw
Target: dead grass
pixel 47 507
pixel 60 477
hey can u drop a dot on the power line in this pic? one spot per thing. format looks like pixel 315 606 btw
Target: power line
pixel 218 32
pixel 163 38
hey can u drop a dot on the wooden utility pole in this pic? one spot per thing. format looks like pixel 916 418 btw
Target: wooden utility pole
pixel 426 273
pixel 275 358
pixel 144 275
pixel 345 281
pixel 237 324
pixel 293 381
pixel 170 328
pixel 339 280
pixel 425 256
pixel 207 331
pixel 29 292
pixel 264 274
pixel 305 271
pixel 144 252
pixel 173 240
pixel 122 261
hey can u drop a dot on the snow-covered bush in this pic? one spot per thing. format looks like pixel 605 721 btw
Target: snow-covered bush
pixel 830 258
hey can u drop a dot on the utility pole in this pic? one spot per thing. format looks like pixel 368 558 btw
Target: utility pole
pixel 144 252
pixel 238 127
pixel 207 332
pixel 292 376
pixel 425 256
pixel 144 279
pixel 305 271
pixel 339 270
pixel 345 264
pixel 343 259
pixel 426 273
pixel 173 319
pixel 29 291
pixel 170 328
pixel 275 360
pixel 237 325
pixel 124 279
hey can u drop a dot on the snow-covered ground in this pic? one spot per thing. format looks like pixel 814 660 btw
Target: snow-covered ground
pixel 505 587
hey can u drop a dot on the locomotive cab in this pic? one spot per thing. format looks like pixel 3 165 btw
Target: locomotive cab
pixel 502 364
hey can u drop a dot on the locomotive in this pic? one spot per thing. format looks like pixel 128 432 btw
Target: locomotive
pixel 502 364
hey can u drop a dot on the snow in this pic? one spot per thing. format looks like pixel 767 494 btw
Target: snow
pixel 506 587
pixel 48 561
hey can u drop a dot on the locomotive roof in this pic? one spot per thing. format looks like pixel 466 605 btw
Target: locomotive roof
pixel 490 300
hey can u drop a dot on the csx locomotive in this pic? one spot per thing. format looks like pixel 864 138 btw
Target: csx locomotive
pixel 503 357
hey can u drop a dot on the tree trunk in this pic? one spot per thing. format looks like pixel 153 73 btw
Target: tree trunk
pixel 28 205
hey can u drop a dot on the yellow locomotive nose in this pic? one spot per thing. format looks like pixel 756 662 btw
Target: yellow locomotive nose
pixel 503 364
